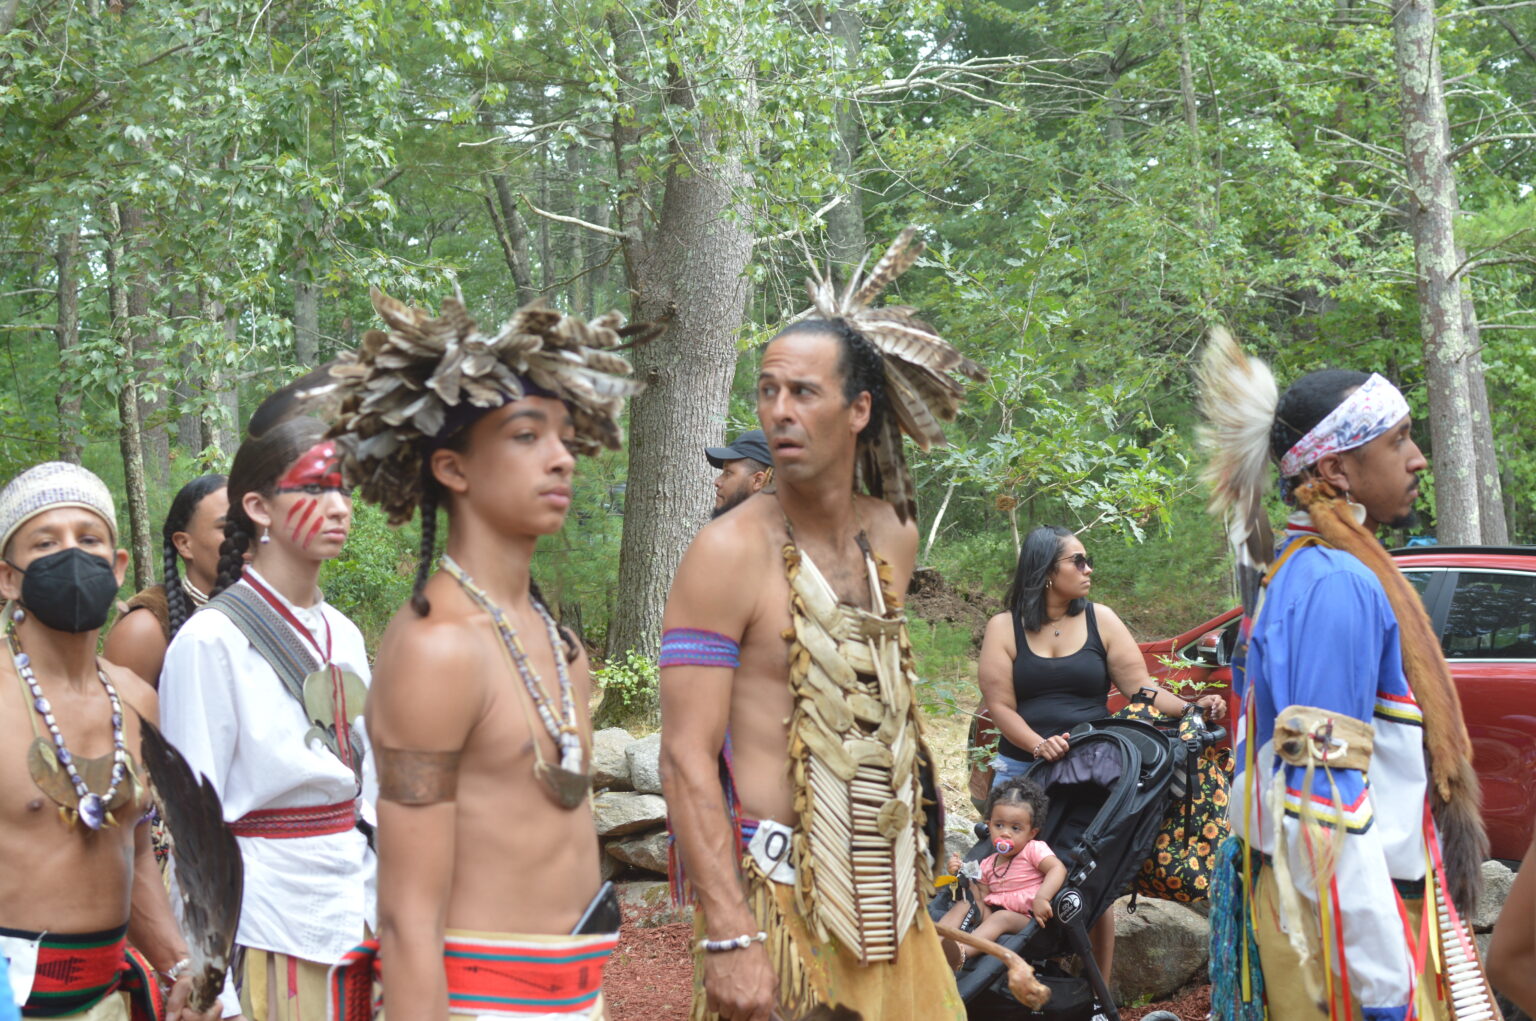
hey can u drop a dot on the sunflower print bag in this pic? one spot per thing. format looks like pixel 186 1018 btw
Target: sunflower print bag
pixel 1183 861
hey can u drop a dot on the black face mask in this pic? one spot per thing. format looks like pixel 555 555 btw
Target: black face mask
pixel 70 590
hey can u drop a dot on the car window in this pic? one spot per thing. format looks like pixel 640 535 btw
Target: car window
pixel 1419 580
pixel 1493 616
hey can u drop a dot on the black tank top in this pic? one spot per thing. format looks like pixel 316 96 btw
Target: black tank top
pixel 1055 695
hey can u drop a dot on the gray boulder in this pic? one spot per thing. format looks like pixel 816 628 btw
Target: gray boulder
pixel 1497 879
pixel 610 766
pixel 646 851
pixel 645 764
pixel 1157 950
pixel 618 813
pixel 650 903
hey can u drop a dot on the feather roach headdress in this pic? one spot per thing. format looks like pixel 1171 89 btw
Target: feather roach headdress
pixel 918 363
pixel 410 385
pixel 1239 399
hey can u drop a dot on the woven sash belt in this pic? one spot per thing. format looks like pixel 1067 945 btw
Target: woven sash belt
pixel 287 823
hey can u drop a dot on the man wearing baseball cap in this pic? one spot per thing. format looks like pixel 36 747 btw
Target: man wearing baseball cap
pixel 745 466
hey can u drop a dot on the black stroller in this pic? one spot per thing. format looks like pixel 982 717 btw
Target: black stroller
pixel 1108 796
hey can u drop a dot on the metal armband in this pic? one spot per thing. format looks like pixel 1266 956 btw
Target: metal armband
pixel 409 777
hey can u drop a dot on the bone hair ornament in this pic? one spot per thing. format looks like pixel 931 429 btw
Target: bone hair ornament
pixel 396 394
pixel 918 362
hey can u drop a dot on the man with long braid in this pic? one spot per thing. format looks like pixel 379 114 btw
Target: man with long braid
pixel 801 792
pixel 1356 841
pixel 490 898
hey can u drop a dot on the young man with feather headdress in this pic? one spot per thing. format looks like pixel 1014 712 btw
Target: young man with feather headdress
pixel 490 899
pixel 801 792
pixel 1354 808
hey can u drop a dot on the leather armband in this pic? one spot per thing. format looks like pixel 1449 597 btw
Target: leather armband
pixel 409 777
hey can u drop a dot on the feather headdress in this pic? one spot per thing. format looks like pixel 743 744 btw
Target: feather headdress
pixel 396 392
pixel 919 388
pixel 1238 398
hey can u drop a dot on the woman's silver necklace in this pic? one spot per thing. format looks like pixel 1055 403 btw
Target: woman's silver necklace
pixel 91 807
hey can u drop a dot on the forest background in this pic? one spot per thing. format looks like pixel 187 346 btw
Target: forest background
pixel 195 196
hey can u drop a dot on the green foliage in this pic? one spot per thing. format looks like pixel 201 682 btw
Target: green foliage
pixel 944 656
pixel 632 680
pixel 372 577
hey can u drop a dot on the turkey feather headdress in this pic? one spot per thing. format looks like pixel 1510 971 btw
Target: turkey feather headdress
pixel 421 380
pixel 920 390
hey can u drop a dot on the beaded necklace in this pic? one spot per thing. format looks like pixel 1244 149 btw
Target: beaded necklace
pixel 91 808
pixel 569 783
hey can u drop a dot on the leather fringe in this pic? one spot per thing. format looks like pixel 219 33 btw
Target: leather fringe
pixel 1455 795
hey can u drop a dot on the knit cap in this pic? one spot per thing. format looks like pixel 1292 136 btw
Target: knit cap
pixel 47 486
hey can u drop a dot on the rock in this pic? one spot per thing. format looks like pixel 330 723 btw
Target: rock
pixel 1497 879
pixel 608 867
pixel 650 903
pixel 646 851
pixel 959 838
pixel 1157 950
pixel 645 764
pixel 610 766
pixel 618 813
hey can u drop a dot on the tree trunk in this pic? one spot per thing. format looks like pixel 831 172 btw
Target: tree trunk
pixel 846 239
pixel 148 365
pixel 219 418
pixel 690 273
pixel 67 397
pixel 1490 486
pixel 513 234
pixel 130 435
pixel 306 317
pixel 1432 208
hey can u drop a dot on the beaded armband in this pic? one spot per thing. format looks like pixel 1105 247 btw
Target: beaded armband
pixel 682 646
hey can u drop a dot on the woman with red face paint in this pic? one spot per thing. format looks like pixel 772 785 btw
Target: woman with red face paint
pixel 263 692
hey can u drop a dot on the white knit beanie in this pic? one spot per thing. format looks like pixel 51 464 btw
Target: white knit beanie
pixel 47 486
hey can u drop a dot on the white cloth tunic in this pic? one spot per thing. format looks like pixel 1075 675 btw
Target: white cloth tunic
pixel 229 714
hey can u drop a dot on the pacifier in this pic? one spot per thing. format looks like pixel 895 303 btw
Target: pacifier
pixel 1003 846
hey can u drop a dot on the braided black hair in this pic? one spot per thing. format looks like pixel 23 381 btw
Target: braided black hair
pixel 177 519
pixel 1019 792
pixel 259 463
pixel 862 367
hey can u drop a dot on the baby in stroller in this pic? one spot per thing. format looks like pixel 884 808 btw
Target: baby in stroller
pixel 1018 879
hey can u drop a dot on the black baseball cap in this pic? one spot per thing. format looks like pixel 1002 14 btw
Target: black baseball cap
pixel 751 444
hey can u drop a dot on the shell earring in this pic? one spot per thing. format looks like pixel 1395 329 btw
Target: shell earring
pixel 266 536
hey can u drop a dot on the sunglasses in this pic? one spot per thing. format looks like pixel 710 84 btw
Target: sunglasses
pixel 1081 561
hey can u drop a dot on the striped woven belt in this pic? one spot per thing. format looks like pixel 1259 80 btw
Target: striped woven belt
pixel 287 823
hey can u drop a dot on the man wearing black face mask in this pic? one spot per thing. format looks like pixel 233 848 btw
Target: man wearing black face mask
pixel 78 880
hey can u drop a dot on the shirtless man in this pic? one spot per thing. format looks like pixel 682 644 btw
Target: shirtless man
pixel 78 879
pixel 487 843
pixel 738 705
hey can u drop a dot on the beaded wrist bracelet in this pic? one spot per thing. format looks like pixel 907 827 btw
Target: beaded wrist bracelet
pixel 719 946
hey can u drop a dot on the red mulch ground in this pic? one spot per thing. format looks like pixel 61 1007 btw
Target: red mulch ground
pixel 650 978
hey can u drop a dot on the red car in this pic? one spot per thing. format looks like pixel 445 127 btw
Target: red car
pixel 1482 603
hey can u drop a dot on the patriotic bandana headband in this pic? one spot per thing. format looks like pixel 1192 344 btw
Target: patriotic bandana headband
pixel 1371 410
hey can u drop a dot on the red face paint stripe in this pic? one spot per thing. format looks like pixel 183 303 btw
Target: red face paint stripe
pixel 313 529
pixel 306 506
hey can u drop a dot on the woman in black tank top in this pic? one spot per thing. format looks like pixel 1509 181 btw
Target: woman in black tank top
pixel 1047 664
